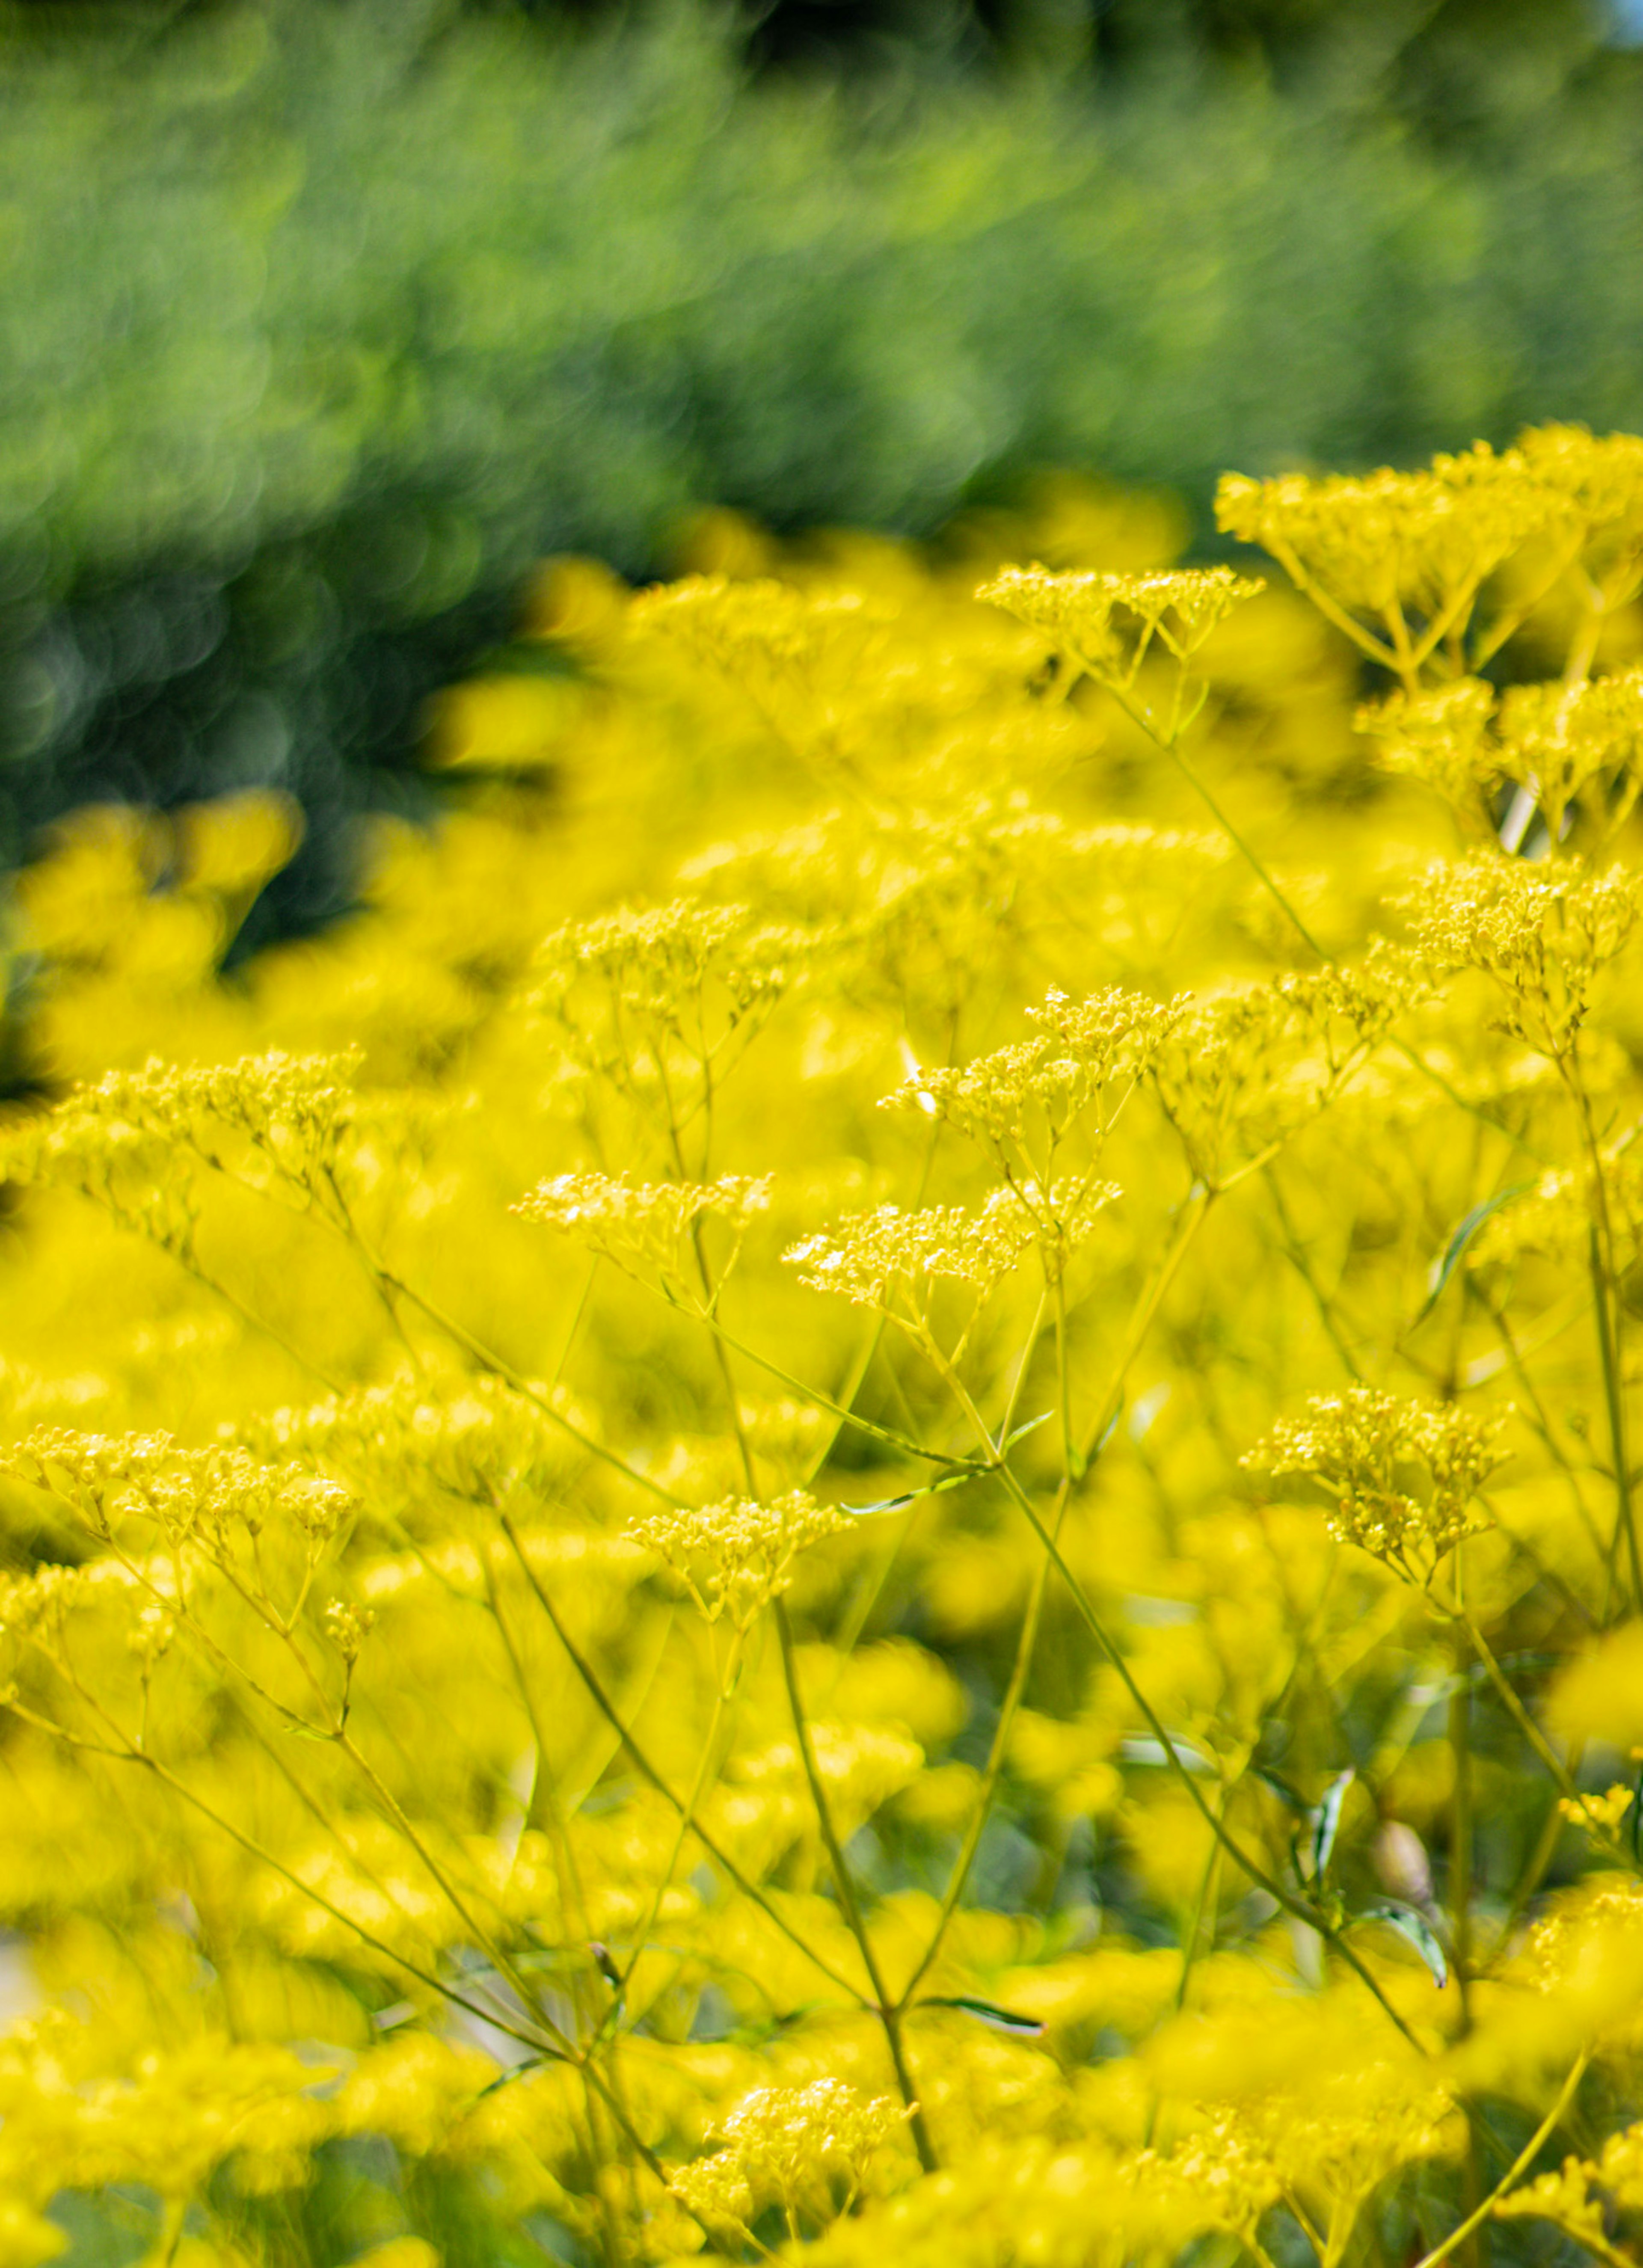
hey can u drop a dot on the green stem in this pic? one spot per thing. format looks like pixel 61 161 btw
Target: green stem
pixel 1460 1884
pixel 687 1821
pixel 1251 1866
pixel 1606 1300
pixel 1518 2167
pixel 1193 1216
pixel 889 2012
pixel 647 1771
pixel 1609 1359
pixel 521 1386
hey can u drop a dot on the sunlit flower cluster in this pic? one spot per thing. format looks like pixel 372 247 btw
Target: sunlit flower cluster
pixel 1360 1446
pixel 866 1489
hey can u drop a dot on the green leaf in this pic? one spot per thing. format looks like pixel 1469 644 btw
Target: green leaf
pixel 1326 1822
pixel 517 2070
pixel 1022 1431
pixel 1142 1749
pixel 912 1496
pixel 1000 2020
pixel 1447 1261
pixel 1417 1929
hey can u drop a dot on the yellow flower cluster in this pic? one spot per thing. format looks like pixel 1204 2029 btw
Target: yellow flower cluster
pixel 1543 935
pixel 795 2145
pixel 649 1226
pixel 786 1719
pixel 196 1495
pixel 1360 1448
pixel 888 1259
pixel 735 1558
pixel 1108 621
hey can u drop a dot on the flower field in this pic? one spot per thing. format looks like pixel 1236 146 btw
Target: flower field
pixel 865 1489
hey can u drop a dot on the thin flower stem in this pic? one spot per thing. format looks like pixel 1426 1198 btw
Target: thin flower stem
pixel 1257 867
pixel 1246 849
pixel 903 1443
pixel 1460 1881
pixel 546 2039
pixel 521 1386
pixel 687 1820
pixel 1524 2159
pixel 648 1771
pixel 1331 609
pixel 889 2012
pixel 1533 1734
pixel 1250 1865
pixel 1194 1214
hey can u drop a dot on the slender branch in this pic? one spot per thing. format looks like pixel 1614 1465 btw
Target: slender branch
pixel 889 2012
pixel 1519 2165
pixel 647 1771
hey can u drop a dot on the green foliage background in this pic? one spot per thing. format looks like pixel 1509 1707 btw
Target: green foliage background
pixel 321 320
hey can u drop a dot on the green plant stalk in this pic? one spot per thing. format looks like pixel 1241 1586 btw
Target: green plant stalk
pixel 1251 1866
pixel 889 2016
pixel 1098 1631
pixel 1524 2159
pixel 1171 746
pixel 553 2045
pixel 1533 1734
pixel 1194 1214
pixel 1609 1359
pixel 648 1771
pixel 1606 1300
pixel 1460 1881
pixel 887 2011
pixel 686 1816
pixel 1207 1895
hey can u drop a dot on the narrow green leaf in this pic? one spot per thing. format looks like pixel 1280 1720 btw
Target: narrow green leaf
pixel 1022 1431
pixel 1326 1822
pixel 912 1496
pixel 1141 1748
pixel 1416 1930
pixel 1447 1261
pixel 516 2071
pixel 998 2020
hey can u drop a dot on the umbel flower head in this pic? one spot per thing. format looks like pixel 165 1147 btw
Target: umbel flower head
pixel 471 1435
pixel 1441 736
pixel 735 1558
pixel 192 1496
pixel 1108 622
pixel 1226 2172
pixel 645 1225
pixel 1581 2197
pixel 1542 933
pixel 796 2147
pixel 1422 540
pixel 1403 1476
pixel 1565 741
pixel 889 1258
pixel 1083 1058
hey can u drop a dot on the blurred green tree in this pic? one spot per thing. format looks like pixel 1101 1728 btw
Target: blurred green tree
pixel 323 317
